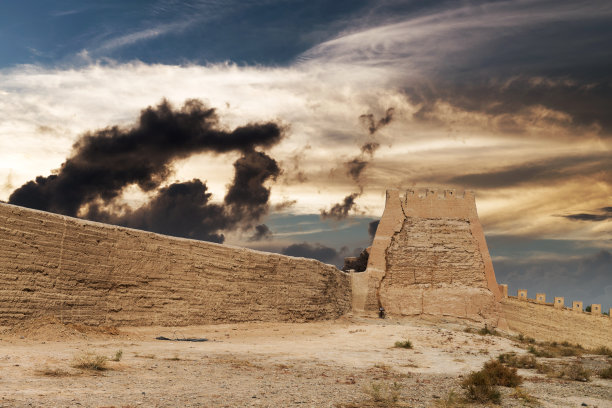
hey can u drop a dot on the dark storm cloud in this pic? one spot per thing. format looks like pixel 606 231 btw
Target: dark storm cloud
pixel 584 101
pixel 373 125
pixel 603 215
pixel 315 251
pixel 104 162
pixel 372 227
pixel 181 209
pixel 541 172
pixel 370 148
pixel 355 167
pixel 284 205
pixel 247 196
pixel 341 210
pixel 262 232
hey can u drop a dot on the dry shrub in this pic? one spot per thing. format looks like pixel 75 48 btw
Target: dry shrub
pixel 573 371
pixel 90 361
pixel 523 361
pixel 485 331
pixel 606 373
pixel 577 372
pixel 478 387
pixel 53 372
pixel 117 356
pixel 521 394
pixel 383 394
pixel 452 400
pixel 502 375
pixel 407 344
pixel 603 351
pixel 554 349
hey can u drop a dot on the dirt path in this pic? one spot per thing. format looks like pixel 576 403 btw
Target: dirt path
pixel 325 364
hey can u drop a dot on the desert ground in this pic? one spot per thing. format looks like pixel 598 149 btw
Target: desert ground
pixel 350 362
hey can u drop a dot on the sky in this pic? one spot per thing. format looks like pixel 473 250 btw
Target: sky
pixel 283 122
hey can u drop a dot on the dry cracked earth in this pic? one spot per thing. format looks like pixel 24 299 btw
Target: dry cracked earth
pixel 350 362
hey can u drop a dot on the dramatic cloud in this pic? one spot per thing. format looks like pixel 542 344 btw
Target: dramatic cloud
pixel 374 125
pixel 604 214
pixel 341 210
pixel 370 148
pixel 262 232
pixel 107 161
pixel 181 209
pixel 247 196
pixel 284 205
pixel 558 169
pixel 355 167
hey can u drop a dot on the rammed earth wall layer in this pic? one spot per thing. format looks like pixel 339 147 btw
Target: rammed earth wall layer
pixel 547 323
pixel 429 257
pixel 93 273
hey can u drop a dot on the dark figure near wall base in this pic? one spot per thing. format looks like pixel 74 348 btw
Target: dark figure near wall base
pixel 381 312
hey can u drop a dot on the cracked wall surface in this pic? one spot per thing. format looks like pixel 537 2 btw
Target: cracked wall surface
pixel 91 273
pixel 429 256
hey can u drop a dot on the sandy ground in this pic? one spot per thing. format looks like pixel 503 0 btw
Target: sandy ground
pixel 322 364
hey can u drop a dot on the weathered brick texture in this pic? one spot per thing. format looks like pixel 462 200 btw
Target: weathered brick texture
pixel 92 273
pixel 429 257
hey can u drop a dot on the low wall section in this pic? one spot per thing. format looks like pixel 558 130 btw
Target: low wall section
pixel 93 273
pixel 547 323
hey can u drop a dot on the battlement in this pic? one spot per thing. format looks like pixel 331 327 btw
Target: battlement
pixel 423 193
pixel 559 302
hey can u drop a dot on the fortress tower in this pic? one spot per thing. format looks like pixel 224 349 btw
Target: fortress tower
pixel 429 256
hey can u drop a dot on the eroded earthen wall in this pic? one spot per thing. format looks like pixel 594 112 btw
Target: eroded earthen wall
pixel 99 274
pixel 429 256
pixel 547 323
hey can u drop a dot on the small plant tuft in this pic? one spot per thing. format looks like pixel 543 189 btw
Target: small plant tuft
pixel 524 361
pixel 90 361
pixel 485 331
pixel 603 351
pixel 384 395
pixel 606 373
pixel 452 400
pixel 117 356
pixel 521 394
pixel 407 344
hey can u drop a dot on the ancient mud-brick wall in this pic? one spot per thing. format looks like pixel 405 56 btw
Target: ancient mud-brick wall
pixel 429 256
pixel 547 323
pixel 93 273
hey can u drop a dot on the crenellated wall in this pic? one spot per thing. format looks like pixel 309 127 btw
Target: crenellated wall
pixel 93 273
pixel 429 256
